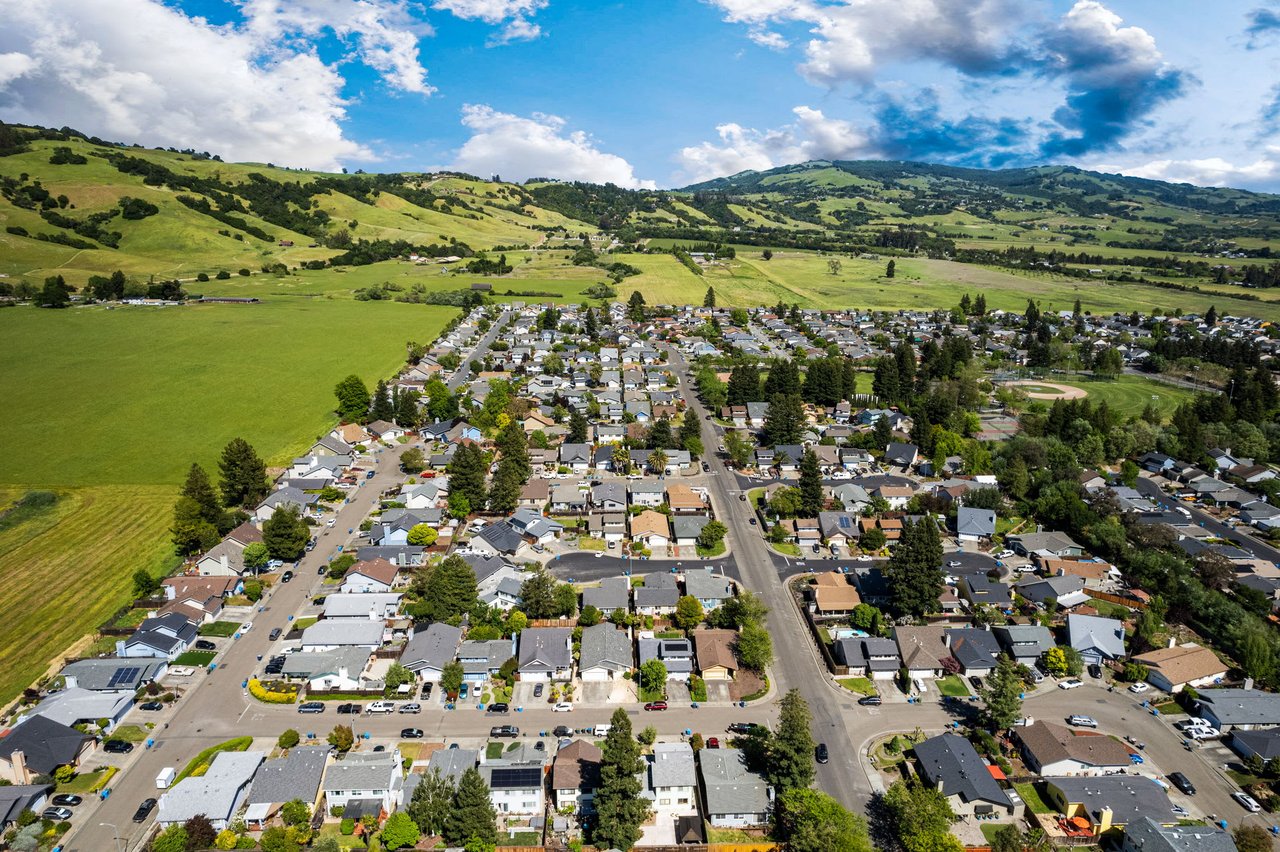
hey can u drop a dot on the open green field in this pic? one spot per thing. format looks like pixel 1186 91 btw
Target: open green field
pixel 108 408
pixel 1129 395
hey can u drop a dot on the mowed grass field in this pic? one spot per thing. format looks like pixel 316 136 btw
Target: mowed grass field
pixel 109 407
pixel 1128 395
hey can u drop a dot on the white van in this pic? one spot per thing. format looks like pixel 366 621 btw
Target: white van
pixel 165 778
pixel 381 707
pixel 602 730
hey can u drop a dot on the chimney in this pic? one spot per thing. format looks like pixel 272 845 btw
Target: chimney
pixel 1172 641
pixel 1248 683
pixel 19 762
pixel 1104 820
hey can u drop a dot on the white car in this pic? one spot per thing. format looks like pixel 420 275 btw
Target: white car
pixel 331 522
pixel 1082 721
pixel 599 553
pixel 1070 683
pixel 842 474
pixel 1139 688
pixel 563 707
pixel 953 564
pixel 1246 801
pixel 246 627
pixel 1005 554
pixel 1203 733
pixel 864 558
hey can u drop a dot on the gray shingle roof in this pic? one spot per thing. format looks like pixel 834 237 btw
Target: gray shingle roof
pixel 605 645
pixel 950 762
pixel 433 648
pixel 728 786
pixel 44 743
pixel 295 776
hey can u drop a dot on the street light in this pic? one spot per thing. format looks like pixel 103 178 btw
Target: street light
pixel 115 832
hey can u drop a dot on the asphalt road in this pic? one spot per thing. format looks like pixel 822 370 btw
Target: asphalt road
pixel 796 662
pixel 1150 487
pixel 464 371
pixel 584 567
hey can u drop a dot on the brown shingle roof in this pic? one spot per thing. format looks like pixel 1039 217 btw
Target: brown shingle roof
pixel 1050 743
pixel 377 569
pixel 834 593
pixel 576 767
pixel 1183 663
pixel 715 648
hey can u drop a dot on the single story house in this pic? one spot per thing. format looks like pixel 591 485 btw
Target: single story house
pixel 1052 749
pixel 715 653
pixel 372 777
pixel 1096 638
pixel 296 775
pixel 1109 802
pixel 1171 669
pixel 1239 709
pixel 733 796
pixel 605 653
pixel 428 651
pixel 949 764
pixel 38 746
pixel 546 654
pixel 218 793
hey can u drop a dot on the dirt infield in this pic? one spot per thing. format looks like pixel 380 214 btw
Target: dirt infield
pixel 1049 390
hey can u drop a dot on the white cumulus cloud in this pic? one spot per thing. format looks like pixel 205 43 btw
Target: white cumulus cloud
pixel 518 148
pixel 514 13
pixel 1262 173
pixel 813 136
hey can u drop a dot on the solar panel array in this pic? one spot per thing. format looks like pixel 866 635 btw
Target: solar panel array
pixel 124 676
pixel 517 778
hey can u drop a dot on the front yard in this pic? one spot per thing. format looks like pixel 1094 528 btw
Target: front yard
pixel 88 782
pixel 196 659
pixel 221 629
pixel 859 685
pixel 589 543
pixel 954 686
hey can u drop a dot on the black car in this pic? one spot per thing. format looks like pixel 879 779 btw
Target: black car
pixel 742 727
pixel 562 731
pixel 411 733
pixel 311 707
pixel 1095 670
pixel 205 645
pixel 504 731
pixel 975 682
pixel 151 705
pixel 322 569
pixel 273 669
pixel 537 690
pixel 499 707
pixel 144 810
pixel 820 753
pixel 1182 782
pixel 426 689
pixel 117 746
pixel 286 576
pixel 66 800
pixel 274 634
pixel 870 701
pixel 346 709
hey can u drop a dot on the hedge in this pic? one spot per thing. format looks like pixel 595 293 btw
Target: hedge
pixel 200 763
pixel 260 692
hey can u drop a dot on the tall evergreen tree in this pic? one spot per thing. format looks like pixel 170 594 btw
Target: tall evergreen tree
pixel 244 475
pixel 432 802
pixel 577 428
pixel 285 533
pixel 353 399
pixel 513 446
pixel 905 359
pixel 1002 696
pixel 691 433
pixel 744 385
pixel 709 300
pixel 660 437
pixel 448 590
pixel 890 269
pixel 783 378
pixel 791 765
pixel 635 307
pixel 589 325
pixel 471 817
pixel 467 474
pixel 1211 317
pixel 784 420
pixel 383 409
pixel 200 489
pixel 504 494
pixel 914 572
pixel 980 305
pixel 882 432
pixel 190 532
pixel 884 383
pixel 1032 315
pixel 408 414
pixel 620 809
pixel 811 499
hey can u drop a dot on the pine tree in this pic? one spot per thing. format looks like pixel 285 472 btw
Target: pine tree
pixel 200 489
pixel 1211 317
pixel 890 269
pixel 589 326
pixel 513 447
pixel 811 499
pixel 635 307
pixel 691 433
pixel 744 385
pixel 353 399
pixel 408 414
pixel 190 532
pixel 620 809
pixel 382 406
pixel 980 305
pixel 784 420
pixel 709 300
pixel 1002 696
pixel 504 494
pixel 783 378
pixel 660 437
pixel 791 764
pixel 577 428
pixel 905 359
pixel 285 533
pixel 882 432
pixel 471 814
pixel 914 572
pixel 449 590
pixel 244 475
pixel 1032 315
pixel 966 306
pixel 467 474
pixel 884 383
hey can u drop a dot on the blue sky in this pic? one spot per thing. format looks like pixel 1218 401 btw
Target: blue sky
pixel 662 92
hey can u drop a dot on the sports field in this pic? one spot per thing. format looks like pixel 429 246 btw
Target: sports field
pixel 108 407
pixel 1127 395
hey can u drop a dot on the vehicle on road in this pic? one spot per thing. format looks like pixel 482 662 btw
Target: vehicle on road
pixel 1183 783
pixel 742 497
pixel 144 810
pixel 1070 683
pixel 348 709
pixel 821 754
pixel 498 707
pixel 713 742
pixel 1246 801
pixel 563 707
pixel 751 521
pixel 742 727
pixel 599 553
pixel 370 474
pixel 504 731
pixel 870 701
pixel 286 576
pixel 381 707
pixel 1138 688
pixel 562 731
pixel 411 707
pixel 151 706
pixel 205 645
pixel 117 746
pixel 1082 721
pixel 953 564
pixel 1180 812
pixel 656 705
pixel 66 800
pixel 246 627
pixel 411 733
pixel 56 814
pixel 311 707
pixel 274 634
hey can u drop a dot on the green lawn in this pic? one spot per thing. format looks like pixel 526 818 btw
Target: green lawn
pixel 200 763
pixel 1129 395
pixel 304 623
pixel 199 659
pixel 588 543
pixel 88 782
pixel 493 751
pixel 1031 796
pixel 786 548
pixel 954 686
pixel 523 838
pixel 132 733
pixel 223 629
pixel 859 685
pixel 711 552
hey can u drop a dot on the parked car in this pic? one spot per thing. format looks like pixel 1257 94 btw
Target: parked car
pixel 426 689
pixel 656 705
pixel 563 707
pixel 1138 688
pixel 1095 670
pixel 1180 812
pixel 537 690
pixel 1082 721
pixel 381 707
pixel 411 733
pixel 870 701
pixel 562 731
pixel 56 814
pixel 411 707
pixel 274 634
pixel 975 682
pixel 151 706
pixel 742 727
pixel 953 564
pixel 144 810
pixel 1246 801
pixel 246 627
pixel 286 576
pixel 1037 676
pixel 66 800
pixel 462 691
pixel 498 707
pixel 713 742
pixel 345 709
pixel 821 754
pixel 1070 683
pixel 311 707
pixel 1183 783
pixel 1205 733
pixel 504 731
pixel 205 645
pixel 117 746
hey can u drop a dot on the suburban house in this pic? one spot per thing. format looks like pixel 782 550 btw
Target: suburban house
pixel 107 674
pixel 839 529
pixel 374 606
pixel 1095 573
pixel 428 651
pixel 514 787
pixel 651 529
pixel 482 660
pixel 901 455
pixel 675 654
pixel 868 656
pixel 296 775
pixel 613 593
pixel 287 496
pixel 364 782
pixel 1148 835
pixel 1065 590
pixel 922 650
pixel 1265 743
pixel 1043 544
pixel 1051 749
pixel 76 706
pixel 205 594
pixel 218 793
pixel 686 529
pixel 605 653
pixel 16 798
pixel 974 649
pixel 451 763
pixel 163 636
pixel 327 635
pixel 575 776
pixel 733 796
pixel 658 596
pixel 833 594
pixel 546 653
pixel 1025 643
pixel 950 764
pixel 1239 709
pixel 38 746
pixel 1178 666
pixel 716 657
pixel 376 575
pixel 334 669
pixel 1096 638
pixel 975 525
pixel 671 782
pixel 1109 802
pixel 711 589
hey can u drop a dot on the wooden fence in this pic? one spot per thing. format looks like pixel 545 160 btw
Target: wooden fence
pixel 1132 603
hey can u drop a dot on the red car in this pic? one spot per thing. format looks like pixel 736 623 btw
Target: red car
pixel 656 705
pixel 714 742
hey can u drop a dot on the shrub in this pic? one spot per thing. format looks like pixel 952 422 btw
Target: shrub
pixel 269 696
pixel 222 275
pixel 288 739
pixel 348 827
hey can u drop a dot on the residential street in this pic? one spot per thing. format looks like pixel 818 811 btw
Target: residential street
pixel 1150 487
